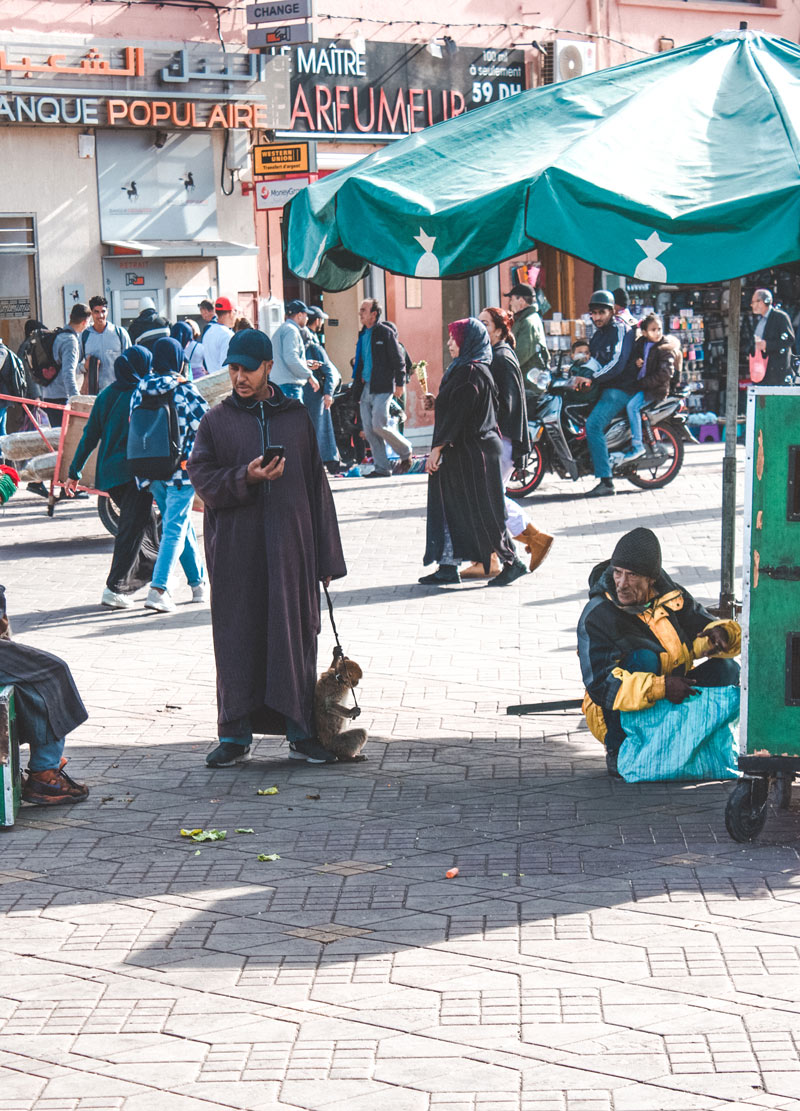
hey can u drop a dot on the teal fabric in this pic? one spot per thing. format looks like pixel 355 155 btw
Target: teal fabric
pixel 107 426
pixel 694 740
pixel 565 164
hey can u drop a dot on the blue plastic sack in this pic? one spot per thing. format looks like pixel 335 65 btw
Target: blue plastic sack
pixel 694 740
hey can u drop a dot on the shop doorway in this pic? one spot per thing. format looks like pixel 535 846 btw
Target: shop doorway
pixel 18 299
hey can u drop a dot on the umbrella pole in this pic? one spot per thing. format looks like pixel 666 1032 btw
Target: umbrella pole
pixel 727 593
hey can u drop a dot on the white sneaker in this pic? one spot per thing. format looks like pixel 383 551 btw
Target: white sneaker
pixel 115 601
pixel 634 453
pixel 199 592
pixel 161 603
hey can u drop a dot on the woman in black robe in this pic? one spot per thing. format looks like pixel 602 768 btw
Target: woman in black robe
pixel 466 511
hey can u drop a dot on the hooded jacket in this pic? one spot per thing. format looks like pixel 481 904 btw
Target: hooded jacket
pixel 147 328
pixel 388 360
pixel 672 624
pixel 658 373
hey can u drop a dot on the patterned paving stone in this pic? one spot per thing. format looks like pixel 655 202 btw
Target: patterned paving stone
pixel 603 947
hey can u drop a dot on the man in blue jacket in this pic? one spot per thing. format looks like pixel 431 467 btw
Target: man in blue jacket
pixel 379 372
pixel 610 349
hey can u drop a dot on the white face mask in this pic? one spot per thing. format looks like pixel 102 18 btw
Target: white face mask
pixel 580 357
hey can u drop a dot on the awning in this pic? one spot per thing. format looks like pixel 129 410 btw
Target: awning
pixel 179 248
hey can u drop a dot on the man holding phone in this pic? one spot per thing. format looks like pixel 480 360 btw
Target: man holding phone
pixel 271 536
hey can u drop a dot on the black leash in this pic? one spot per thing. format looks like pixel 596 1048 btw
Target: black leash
pixel 338 653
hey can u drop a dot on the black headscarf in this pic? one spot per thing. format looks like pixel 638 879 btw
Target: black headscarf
pixel 167 357
pixel 132 365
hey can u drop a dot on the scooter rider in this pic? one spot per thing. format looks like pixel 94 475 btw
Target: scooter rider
pixel 610 347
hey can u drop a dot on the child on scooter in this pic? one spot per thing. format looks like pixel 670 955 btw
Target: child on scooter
pixel 655 357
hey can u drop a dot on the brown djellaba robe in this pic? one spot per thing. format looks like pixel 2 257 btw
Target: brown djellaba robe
pixel 267 547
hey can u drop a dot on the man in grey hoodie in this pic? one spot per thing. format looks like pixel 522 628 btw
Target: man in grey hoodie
pixel 291 371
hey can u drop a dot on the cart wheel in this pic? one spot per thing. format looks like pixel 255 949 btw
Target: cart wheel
pixel 746 811
pixel 108 514
pixel 781 790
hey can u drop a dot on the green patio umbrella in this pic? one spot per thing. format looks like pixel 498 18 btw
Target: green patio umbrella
pixel 679 168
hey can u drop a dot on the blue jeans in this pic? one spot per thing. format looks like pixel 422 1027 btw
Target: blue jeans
pixel 178 538
pixel 610 404
pixel 46 756
pixel 294 391
pixel 634 411
pixel 3 417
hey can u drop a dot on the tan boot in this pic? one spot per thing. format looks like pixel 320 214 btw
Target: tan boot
pixel 536 543
pixel 476 571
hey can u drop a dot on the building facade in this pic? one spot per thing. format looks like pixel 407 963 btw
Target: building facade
pixel 126 131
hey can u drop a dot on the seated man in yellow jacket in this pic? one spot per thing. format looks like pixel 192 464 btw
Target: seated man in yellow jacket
pixel 639 637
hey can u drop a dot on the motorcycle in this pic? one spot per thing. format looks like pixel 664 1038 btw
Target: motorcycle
pixel 558 439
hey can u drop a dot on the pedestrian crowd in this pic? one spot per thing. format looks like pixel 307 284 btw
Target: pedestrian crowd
pixel 258 461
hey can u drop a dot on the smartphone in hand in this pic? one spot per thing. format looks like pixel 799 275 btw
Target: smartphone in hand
pixel 274 451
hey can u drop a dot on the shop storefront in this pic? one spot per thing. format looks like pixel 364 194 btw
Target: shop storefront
pixel 122 163
pixel 350 103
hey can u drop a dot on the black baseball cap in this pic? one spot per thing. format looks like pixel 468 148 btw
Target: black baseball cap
pixel 520 289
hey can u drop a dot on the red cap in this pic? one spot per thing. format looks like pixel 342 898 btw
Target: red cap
pixel 223 304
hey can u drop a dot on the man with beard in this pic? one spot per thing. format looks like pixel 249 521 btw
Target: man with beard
pixel 271 536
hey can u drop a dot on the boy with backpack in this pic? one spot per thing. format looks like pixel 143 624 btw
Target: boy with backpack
pixel 166 411
pixel 59 379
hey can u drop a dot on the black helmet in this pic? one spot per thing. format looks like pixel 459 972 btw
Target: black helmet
pixel 601 299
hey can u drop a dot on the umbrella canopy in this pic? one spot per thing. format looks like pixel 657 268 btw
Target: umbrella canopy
pixel 679 168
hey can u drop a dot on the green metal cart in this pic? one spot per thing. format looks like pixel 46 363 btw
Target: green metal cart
pixel 769 738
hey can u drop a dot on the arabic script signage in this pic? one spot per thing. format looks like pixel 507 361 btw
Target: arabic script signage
pixel 101 83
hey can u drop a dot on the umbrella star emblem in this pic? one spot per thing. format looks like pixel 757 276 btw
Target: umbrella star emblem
pixel 428 264
pixel 650 269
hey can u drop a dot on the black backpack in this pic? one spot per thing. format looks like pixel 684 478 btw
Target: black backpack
pixel 154 440
pixel 12 374
pixel 44 366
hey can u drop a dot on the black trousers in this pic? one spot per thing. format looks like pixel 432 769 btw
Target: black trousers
pixel 136 542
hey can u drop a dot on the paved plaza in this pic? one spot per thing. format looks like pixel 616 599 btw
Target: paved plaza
pixel 603 947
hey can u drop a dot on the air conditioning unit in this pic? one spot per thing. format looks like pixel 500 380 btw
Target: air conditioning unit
pixel 573 59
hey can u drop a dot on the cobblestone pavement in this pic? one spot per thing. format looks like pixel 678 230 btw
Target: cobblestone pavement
pixel 604 947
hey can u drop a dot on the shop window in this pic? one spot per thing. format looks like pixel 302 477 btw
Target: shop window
pixel 413 293
pixel 17 235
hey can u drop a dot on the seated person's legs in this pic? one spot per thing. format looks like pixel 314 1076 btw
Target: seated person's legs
pixel 643 659
pixel 716 672
pixel 634 413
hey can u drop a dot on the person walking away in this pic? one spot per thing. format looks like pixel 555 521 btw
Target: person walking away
pixel 773 338
pixel 379 373
pixel 48 707
pixel 173 495
pixel 512 421
pixel 101 343
pixel 136 542
pixel 67 356
pixel 608 367
pixel 13 381
pixel 148 327
pixel 33 392
pixel 654 359
pixel 271 518
pixel 217 335
pixel 319 402
pixel 192 350
pixel 291 369
pixel 529 338
pixel 466 510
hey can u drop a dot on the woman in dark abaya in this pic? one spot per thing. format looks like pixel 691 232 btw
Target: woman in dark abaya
pixel 136 542
pixel 466 510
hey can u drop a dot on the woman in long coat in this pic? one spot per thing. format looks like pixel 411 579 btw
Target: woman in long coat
pixel 466 510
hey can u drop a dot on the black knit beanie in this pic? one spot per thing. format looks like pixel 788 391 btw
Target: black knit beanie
pixel 640 552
